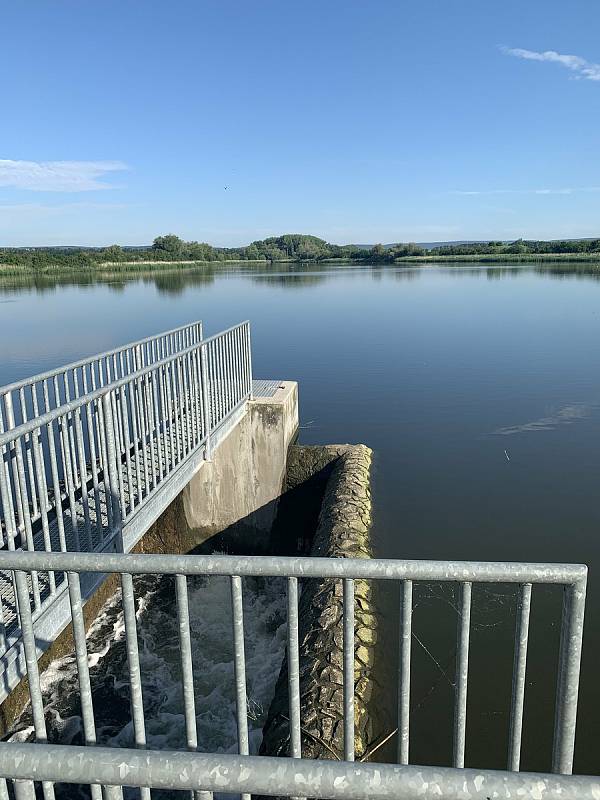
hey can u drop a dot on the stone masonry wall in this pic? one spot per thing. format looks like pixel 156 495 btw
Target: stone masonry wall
pixel 342 532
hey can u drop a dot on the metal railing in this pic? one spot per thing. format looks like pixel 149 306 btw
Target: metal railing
pixel 26 399
pixel 292 777
pixel 76 476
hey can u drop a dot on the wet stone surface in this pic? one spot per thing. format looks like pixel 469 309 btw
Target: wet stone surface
pixel 342 532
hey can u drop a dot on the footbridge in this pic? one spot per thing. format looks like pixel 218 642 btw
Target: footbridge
pixel 94 451
pixel 91 455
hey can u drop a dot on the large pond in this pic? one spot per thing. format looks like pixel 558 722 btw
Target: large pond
pixel 478 390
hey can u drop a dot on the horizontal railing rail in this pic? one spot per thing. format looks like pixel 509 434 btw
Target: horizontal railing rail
pixel 321 781
pixel 280 777
pixel 73 477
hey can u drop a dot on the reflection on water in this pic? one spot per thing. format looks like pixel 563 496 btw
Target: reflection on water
pixel 421 364
pixel 292 275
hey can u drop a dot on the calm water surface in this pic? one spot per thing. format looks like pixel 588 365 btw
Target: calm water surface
pixel 478 390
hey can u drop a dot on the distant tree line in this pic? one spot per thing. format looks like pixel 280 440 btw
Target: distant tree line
pixel 520 246
pixel 290 247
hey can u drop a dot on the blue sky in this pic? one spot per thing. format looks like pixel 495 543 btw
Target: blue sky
pixel 357 121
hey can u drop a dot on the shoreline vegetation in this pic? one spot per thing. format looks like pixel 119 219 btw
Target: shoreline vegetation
pixel 171 252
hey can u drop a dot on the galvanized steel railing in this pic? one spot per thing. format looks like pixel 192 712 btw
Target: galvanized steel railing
pixel 27 399
pixel 74 477
pixel 290 777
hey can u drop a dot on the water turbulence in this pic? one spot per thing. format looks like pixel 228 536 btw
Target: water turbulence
pixel 158 637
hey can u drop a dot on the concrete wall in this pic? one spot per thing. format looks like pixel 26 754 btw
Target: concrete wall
pixel 342 532
pixel 241 486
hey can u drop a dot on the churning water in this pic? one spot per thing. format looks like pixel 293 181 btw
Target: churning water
pixel 212 644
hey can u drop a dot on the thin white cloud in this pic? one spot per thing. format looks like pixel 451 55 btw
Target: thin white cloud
pixel 39 209
pixel 527 191
pixel 57 176
pixel 582 68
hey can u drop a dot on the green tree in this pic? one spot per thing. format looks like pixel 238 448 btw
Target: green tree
pixel 170 244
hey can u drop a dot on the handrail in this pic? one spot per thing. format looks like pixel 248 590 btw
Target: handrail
pixel 301 567
pixel 264 775
pixel 11 387
pixel 48 417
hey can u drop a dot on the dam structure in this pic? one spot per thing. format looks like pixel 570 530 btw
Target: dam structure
pixel 126 464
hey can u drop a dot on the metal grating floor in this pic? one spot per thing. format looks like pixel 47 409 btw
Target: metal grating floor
pixel 265 388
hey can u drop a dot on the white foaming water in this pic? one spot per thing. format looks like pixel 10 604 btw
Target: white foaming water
pixel 212 648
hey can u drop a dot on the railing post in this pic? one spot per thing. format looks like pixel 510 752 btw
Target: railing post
pixel 249 346
pixel 206 401
pixel 112 486
pixel 571 639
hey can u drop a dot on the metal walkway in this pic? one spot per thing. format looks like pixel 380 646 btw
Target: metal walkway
pixel 93 452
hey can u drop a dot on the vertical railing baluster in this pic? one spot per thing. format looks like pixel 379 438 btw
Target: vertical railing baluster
pixel 235 367
pixel 3 644
pixel 70 431
pixel 194 419
pixel 406 609
pixel 239 663
pixel 5 451
pixel 33 675
pixel 293 663
pixel 567 691
pixel 24 790
pixel 183 406
pixel 187 380
pixel 143 432
pixel 220 377
pixel 157 423
pixel 113 793
pixel 100 420
pixel 12 465
pixel 249 359
pixel 83 473
pixel 91 420
pixel 152 433
pixel 10 521
pixel 206 407
pixel 137 458
pixel 28 446
pixel 462 671
pixel 133 662
pixel 177 408
pixel 348 669
pixel 35 587
pixel 127 448
pixel 39 469
pixel 83 671
pixel 518 677
pixel 187 670
pixel 54 471
pixel 115 423
pixel 230 372
pixel 111 479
